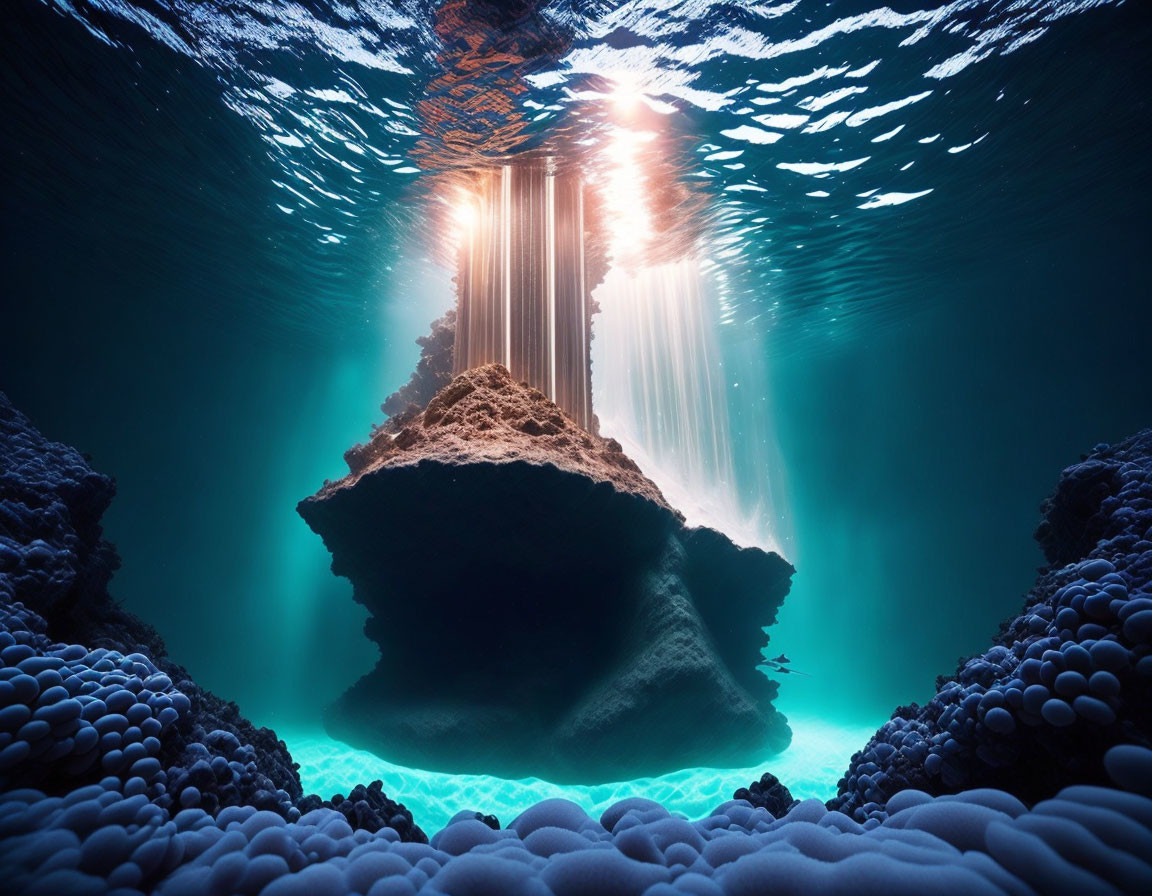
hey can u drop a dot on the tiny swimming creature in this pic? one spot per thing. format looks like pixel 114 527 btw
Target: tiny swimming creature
pixel 779 664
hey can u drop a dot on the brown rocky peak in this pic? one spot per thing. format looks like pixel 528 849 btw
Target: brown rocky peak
pixel 485 416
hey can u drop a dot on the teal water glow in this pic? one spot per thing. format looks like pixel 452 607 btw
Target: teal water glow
pixel 811 767
pixel 663 382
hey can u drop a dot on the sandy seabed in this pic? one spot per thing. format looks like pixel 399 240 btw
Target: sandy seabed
pixel 810 767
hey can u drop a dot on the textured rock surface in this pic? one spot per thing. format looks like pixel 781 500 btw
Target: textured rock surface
pixel 767 793
pixel 484 416
pixel 98 839
pixel 52 555
pixel 433 371
pixel 540 609
pixel 86 830
pixel 1064 681
pixel 86 690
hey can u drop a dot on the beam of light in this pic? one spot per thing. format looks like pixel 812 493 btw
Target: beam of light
pixel 520 280
pixel 463 219
pixel 466 213
pixel 506 227
pixel 661 382
pixel 550 276
pixel 626 195
pixel 585 385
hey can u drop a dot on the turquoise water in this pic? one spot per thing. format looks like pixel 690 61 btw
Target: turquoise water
pixel 812 766
pixel 223 232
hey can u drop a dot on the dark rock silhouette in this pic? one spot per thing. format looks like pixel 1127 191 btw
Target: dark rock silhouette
pixel 768 793
pixel 540 608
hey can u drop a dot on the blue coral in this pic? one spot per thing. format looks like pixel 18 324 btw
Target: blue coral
pixel 1084 839
pixel 118 774
pixel 69 713
pixel 1064 682
pixel 52 557
pixel 73 715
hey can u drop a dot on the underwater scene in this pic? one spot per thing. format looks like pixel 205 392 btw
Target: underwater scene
pixel 557 448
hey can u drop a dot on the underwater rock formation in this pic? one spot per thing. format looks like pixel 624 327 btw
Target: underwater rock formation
pixel 540 608
pixel 87 693
pixel 70 828
pixel 433 370
pixel 1064 682
pixel 52 555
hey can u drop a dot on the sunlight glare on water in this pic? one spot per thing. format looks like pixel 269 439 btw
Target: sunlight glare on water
pixel 803 123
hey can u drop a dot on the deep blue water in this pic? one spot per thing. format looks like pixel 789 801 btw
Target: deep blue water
pixel 220 241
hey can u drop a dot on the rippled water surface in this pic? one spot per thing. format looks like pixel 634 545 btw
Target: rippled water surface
pixel 795 130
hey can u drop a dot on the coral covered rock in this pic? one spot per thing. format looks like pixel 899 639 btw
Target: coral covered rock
pixel 1065 681
pixel 52 555
pixel 369 809
pixel 767 793
pixel 87 693
pixel 540 609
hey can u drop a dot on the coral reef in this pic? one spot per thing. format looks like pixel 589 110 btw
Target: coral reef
pixel 1063 682
pixel 540 609
pixel 86 689
pixel 85 763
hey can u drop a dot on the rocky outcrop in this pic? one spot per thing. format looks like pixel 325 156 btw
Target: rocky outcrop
pixel 484 416
pixel 66 827
pixel 53 557
pixel 540 608
pixel 433 371
pixel 1063 682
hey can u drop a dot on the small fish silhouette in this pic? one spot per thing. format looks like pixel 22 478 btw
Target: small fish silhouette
pixel 778 666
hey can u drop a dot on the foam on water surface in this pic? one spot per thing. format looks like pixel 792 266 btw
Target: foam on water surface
pixel 810 767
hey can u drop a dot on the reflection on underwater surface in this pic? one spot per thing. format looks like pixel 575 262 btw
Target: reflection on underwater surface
pixel 811 768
